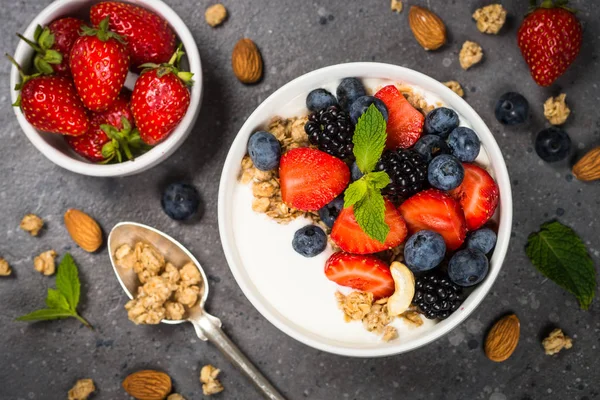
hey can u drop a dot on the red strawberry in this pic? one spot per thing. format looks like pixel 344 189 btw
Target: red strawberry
pixel 149 37
pixel 366 273
pixel 434 210
pixel 311 178
pixel 405 123
pixel 349 236
pixel 478 195
pixel 550 40
pixel 99 64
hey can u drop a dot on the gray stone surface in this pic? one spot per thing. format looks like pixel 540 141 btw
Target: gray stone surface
pixel 43 360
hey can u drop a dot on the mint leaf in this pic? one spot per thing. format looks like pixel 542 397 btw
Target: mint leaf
pixel 369 139
pixel 67 281
pixel 57 300
pixel 370 215
pixel 46 314
pixel 379 179
pixel 560 255
pixel 355 192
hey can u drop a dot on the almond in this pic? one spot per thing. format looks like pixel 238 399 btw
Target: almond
pixel 148 385
pixel 246 61
pixel 588 168
pixel 428 28
pixel 503 338
pixel 83 230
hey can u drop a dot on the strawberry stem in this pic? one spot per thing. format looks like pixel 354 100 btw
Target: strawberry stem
pixel 34 45
pixel 102 32
pixel 547 4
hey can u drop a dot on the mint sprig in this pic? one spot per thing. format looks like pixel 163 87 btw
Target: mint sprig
pixel 364 195
pixel 560 255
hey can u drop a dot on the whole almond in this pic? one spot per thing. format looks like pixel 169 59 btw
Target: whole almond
pixel 148 385
pixel 588 168
pixel 428 28
pixel 83 230
pixel 246 61
pixel 503 338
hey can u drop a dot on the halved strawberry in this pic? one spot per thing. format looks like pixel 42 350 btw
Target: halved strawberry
pixel 478 195
pixel 310 178
pixel 405 123
pixel 434 210
pixel 366 273
pixel 349 236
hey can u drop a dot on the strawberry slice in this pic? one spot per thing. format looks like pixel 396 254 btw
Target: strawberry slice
pixel 478 195
pixel 311 178
pixel 405 123
pixel 350 237
pixel 434 210
pixel 366 273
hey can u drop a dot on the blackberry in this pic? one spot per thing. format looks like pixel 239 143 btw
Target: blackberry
pixel 407 170
pixel 331 131
pixel 436 296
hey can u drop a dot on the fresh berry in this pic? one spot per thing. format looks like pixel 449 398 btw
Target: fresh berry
pixel 355 172
pixel 309 241
pixel 483 240
pixel 441 121
pixel 407 170
pixel 149 37
pixel 331 131
pixel 464 144
pixel 436 211
pixel 319 99
pixel 550 40
pixel 436 296
pixel 330 212
pixel 445 172
pixel 468 267
pixel 360 272
pixel 99 62
pixel 478 196
pixel 424 250
pixel 180 201
pixel 430 146
pixel 552 144
pixel 350 237
pixel 512 109
pixel 360 106
pixel 310 178
pixel 264 150
pixel 405 123
pixel 348 91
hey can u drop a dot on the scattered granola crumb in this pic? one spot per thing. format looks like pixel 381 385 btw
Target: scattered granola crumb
pixel 389 333
pixel 44 263
pixel 175 396
pixel 210 383
pixel 556 110
pixel 396 6
pixel 215 14
pixel 377 319
pixel 82 389
pixel 470 54
pixel 455 87
pixel 356 305
pixel 32 223
pixel 490 19
pixel 412 318
pixel 4 268
pixel 556 341
pixel 125 257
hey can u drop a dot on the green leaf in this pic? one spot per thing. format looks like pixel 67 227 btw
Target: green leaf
pixel 46 314
pixel 560 255
pixel 355 192
pixel 57 300
pixel 370 215
pixel 67 281
pixel 369 139
pixel 379 179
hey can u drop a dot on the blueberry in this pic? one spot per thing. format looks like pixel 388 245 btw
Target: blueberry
pixel 430 146
pixel 464 144
pixel 355 172
pixel 264 150
pixel 552 144
pixel 441 121
pixel 512 109
pixel 424 250
pixel 330 212
pixel 468 267
pixel 180 201
pixel 348 91
pixel 361 104
pixel 445 172
pixel 319 99
pixel 309 241
pixel 483 240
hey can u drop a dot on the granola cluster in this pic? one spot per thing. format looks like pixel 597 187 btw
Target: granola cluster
pixel 470 54
pixel 44 263
pixel 396 6
pixel 32 224
pixel 416 99
pixel 455 87
pixel 490 19
pixel 556 110
pixel 215 15
pixel 4 268
pixel 210 383
pixel 175 396
pixel 556 341
pixel 82 390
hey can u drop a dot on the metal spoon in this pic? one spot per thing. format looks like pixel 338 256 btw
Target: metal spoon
pixel 207 326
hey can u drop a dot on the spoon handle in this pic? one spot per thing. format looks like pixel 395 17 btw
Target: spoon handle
pixel 209 327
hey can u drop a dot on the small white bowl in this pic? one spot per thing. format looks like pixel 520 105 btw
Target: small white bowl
pixel 277 104
pixel 55 148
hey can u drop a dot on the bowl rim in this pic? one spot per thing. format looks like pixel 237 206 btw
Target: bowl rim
pixel 257 118
pixel 160 152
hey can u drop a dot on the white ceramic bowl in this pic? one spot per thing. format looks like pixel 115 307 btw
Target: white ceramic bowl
pixel 55 148
pixel 276 104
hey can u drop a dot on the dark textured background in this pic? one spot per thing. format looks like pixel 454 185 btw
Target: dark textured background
pixel 43 360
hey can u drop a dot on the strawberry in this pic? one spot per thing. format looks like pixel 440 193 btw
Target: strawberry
pixel 349 236
pixel 405 123
pixel 99 64
pixel 550 40
pixel 360 272
pixel 434 210
pixel 311 178
pixel 149 37
pixel 478 195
